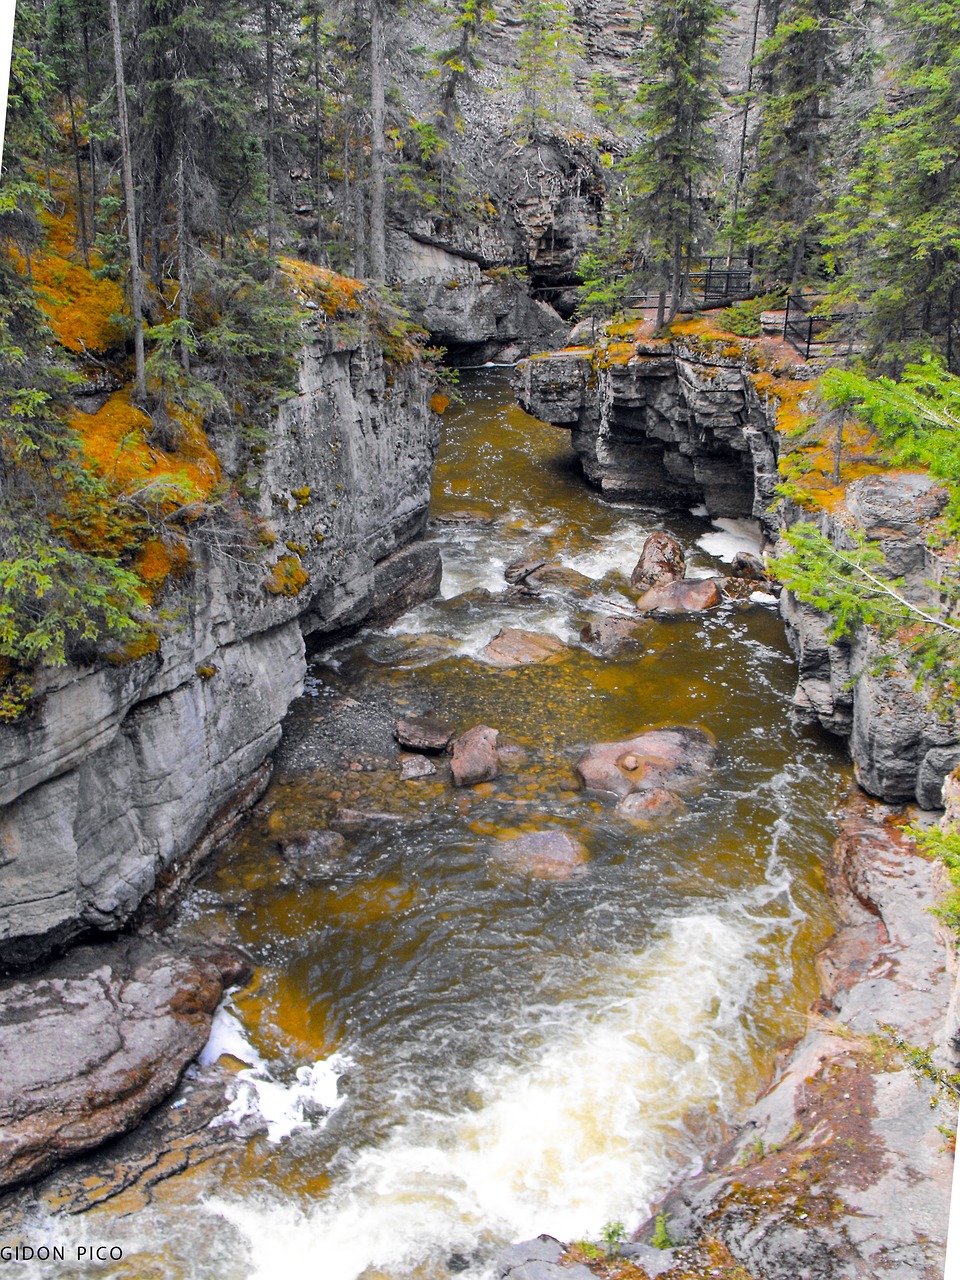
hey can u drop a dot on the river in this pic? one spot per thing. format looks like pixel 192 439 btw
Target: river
pixel 453 1053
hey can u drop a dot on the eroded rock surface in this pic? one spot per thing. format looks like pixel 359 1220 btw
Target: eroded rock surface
pixel 688 595
pixel 839 1171
pixel 511 647
pixel 475 757
pixel 91 1044
pixel 674 759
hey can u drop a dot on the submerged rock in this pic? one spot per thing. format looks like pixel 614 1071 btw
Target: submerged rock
pixel 511 647
pixel 475 756
pixel 661 561
pixel 423 733
pixel 306 845
pixel 89 1045
pixel 647 807
pixel 547 855
pixel 687 595
pixel 613 636
pixel 416 767
pixel 662 759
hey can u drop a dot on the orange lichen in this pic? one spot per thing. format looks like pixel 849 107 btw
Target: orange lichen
pixel 81 309
pixel 439 403
pixel 287 577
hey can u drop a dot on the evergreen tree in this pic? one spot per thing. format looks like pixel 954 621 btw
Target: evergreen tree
pixel 546 49
pixel 798 70
pixel 666 174
pixel 913 257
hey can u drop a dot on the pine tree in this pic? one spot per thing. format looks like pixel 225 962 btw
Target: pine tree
pixel 914 256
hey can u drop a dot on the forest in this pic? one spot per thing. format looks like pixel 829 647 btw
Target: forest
pixel 179 174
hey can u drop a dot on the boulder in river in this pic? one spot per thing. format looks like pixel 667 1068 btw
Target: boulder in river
pixel 416 766
pixel 423 733
pixel 511 647
pixel 746 565
pixel 674 759
pixel 305 846
pixel 686 595
pixel 661 561
pixel 546 855
pixel 475 756
pixel 648 807
pixel 92 1043
pixel 614 636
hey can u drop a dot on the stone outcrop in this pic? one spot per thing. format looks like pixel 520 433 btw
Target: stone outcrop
pixel 123 768
pixel 511 647
pixel 677 422
pixel 657 423
pixel 88 1046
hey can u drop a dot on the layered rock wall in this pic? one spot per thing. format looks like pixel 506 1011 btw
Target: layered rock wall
pixel 664 424
pixel 122 768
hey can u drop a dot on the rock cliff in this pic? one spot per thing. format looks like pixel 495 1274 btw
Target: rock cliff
pixel 687 421
pixel 125 768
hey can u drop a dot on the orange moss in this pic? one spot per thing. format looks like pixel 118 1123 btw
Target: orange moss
pixel 79 307
pixel 287 577
pixel 333 293
pixel 116 443
pixel 439 403
pixel 145 643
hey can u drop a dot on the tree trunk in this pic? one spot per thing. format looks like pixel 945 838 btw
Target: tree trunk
pixel 129 200
pixel 81 198
pixel 378 192
pixel 183 261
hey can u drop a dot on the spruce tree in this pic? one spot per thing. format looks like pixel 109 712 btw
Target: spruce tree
pixel 665 176
pixel 546 48
pixel 797 73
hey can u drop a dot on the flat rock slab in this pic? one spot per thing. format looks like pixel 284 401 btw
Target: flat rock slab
pixel 88 1046
pixel 475 756
pixel 545 855
pixel 667 760
pixel 511 647
pixel 688 595
pixel 423 733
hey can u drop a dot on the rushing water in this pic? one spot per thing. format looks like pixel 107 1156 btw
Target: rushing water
pixel 451 1053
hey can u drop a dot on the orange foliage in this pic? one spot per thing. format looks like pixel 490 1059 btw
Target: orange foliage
pixel 78 306
pixel 439 403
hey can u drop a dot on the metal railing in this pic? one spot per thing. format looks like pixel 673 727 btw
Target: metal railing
pixel 804 329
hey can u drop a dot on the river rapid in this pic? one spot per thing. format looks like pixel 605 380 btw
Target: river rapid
pixel 441 1053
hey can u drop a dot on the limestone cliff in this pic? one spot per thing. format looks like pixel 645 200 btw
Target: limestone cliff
pixel 123 769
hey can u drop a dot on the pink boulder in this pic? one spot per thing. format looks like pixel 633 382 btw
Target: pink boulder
pixel 675 759
pixel 475 756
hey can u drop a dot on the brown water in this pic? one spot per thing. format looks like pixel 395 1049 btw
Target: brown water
pixel 482 1054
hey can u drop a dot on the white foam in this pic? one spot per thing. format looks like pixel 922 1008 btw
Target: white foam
pixel 762 597
pixel 732 536
pixel 618 550
pixel 258 1095
pixel 580 1136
